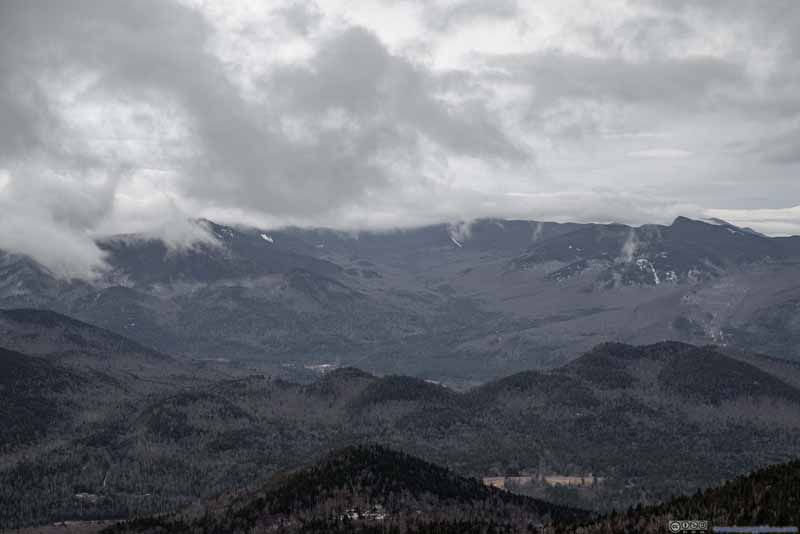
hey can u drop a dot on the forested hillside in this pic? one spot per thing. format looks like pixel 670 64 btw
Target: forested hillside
pixel 366 489
pixel 770 496
pixel 648 422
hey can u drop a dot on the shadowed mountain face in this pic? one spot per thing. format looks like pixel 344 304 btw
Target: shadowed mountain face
pixel 367 489
pixel 72 344
pixel 49 333
pixel 41 400
pixel 694 373
pixel 29 388
pixel 651 421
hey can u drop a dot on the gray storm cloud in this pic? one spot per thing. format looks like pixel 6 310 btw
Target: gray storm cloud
pixel 137 116
pixel 361 109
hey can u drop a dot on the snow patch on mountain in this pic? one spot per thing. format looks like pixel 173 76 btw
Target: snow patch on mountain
pixel 459 232
pixel 646 265
pixel 629 247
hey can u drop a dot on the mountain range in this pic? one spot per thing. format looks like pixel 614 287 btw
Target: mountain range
pixel 459 304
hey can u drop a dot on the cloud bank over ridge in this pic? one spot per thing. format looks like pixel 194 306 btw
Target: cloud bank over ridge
pixel 119 117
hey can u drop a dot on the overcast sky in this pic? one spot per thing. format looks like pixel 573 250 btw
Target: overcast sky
pixel 120 116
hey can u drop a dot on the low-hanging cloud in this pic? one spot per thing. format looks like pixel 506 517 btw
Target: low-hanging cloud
pixel 326 134
pixel 120 117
